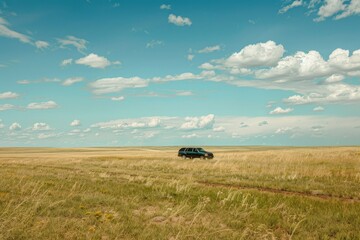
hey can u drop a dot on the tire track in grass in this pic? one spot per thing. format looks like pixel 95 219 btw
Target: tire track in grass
pixel 282 192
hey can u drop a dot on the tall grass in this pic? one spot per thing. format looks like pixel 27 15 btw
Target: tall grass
pixel 149 193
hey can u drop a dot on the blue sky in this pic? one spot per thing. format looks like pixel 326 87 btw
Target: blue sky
pixel 122 73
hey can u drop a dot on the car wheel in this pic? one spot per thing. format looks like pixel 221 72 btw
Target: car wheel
pixel 183 156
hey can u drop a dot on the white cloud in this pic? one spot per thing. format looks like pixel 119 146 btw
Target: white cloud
pixel 42 105
pixel 154 43
pixel 41 127
pixel 198 122
pixel 121 98
pixel 75 123
pixel 193 135
pixel 300 66
pixel 147 122
pixel 284 130
pixel 334 93
pixel 23 82
pixel 184 76
pixel 44 80
pixel 165 6
pixel 260 54
pixel 190 57
pixel 184 93
pixel 8 95
pixel 66 62
pixel 219 129
pixel 330 8
pixel 5 31
pixel 78 43
pixel 210 49
pixel 71 81
pixel 154 122
pixel 280 110
pixel 340 59
pixel 46 135
pixel 351 9
pixel 42 44
pixel 5 107
pixel 296 3
pixel 179 20
pixel 15 126
pixel 110 85
pixel 318 109
pixel 335 78
pixel 94 61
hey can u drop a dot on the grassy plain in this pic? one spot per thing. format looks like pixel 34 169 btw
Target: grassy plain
pixel 150 193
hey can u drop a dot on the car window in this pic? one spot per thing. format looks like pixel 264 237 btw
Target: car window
pixel 189 150
pixel 195 150
pixel 182 149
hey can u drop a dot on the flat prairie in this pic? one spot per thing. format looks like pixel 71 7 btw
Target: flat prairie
pixel 150 193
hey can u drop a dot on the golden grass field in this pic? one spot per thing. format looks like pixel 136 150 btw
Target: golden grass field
pixel 150 193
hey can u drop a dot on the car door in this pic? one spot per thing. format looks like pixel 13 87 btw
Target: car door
pixel 189 152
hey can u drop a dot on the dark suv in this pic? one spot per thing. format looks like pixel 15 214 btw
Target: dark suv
pixel 192 152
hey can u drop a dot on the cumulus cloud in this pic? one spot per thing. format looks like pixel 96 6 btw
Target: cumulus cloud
pixel 179 20
pixel 296 3
pixel 260 54
pixel 41 127
pixel 15 127
pixel 210 49
pixel 8 95
pixel 78 43
pixel 71 81
pixel 42 105
pixel 300 66
pixel 154 122
pixel 280 110
pixel 110 85
pixel 334 93
pixel 75 123
pixel 94 61
pixel 198 122
pixel 165 7
pixel 335 78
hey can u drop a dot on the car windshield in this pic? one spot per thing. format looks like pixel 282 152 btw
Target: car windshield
pixel 201 150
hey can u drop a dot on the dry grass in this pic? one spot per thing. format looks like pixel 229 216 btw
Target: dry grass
pixel 150 193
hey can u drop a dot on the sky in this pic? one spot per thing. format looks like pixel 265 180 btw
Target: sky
pixel 179 73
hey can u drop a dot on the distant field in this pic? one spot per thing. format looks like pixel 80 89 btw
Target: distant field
pixel 150 193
